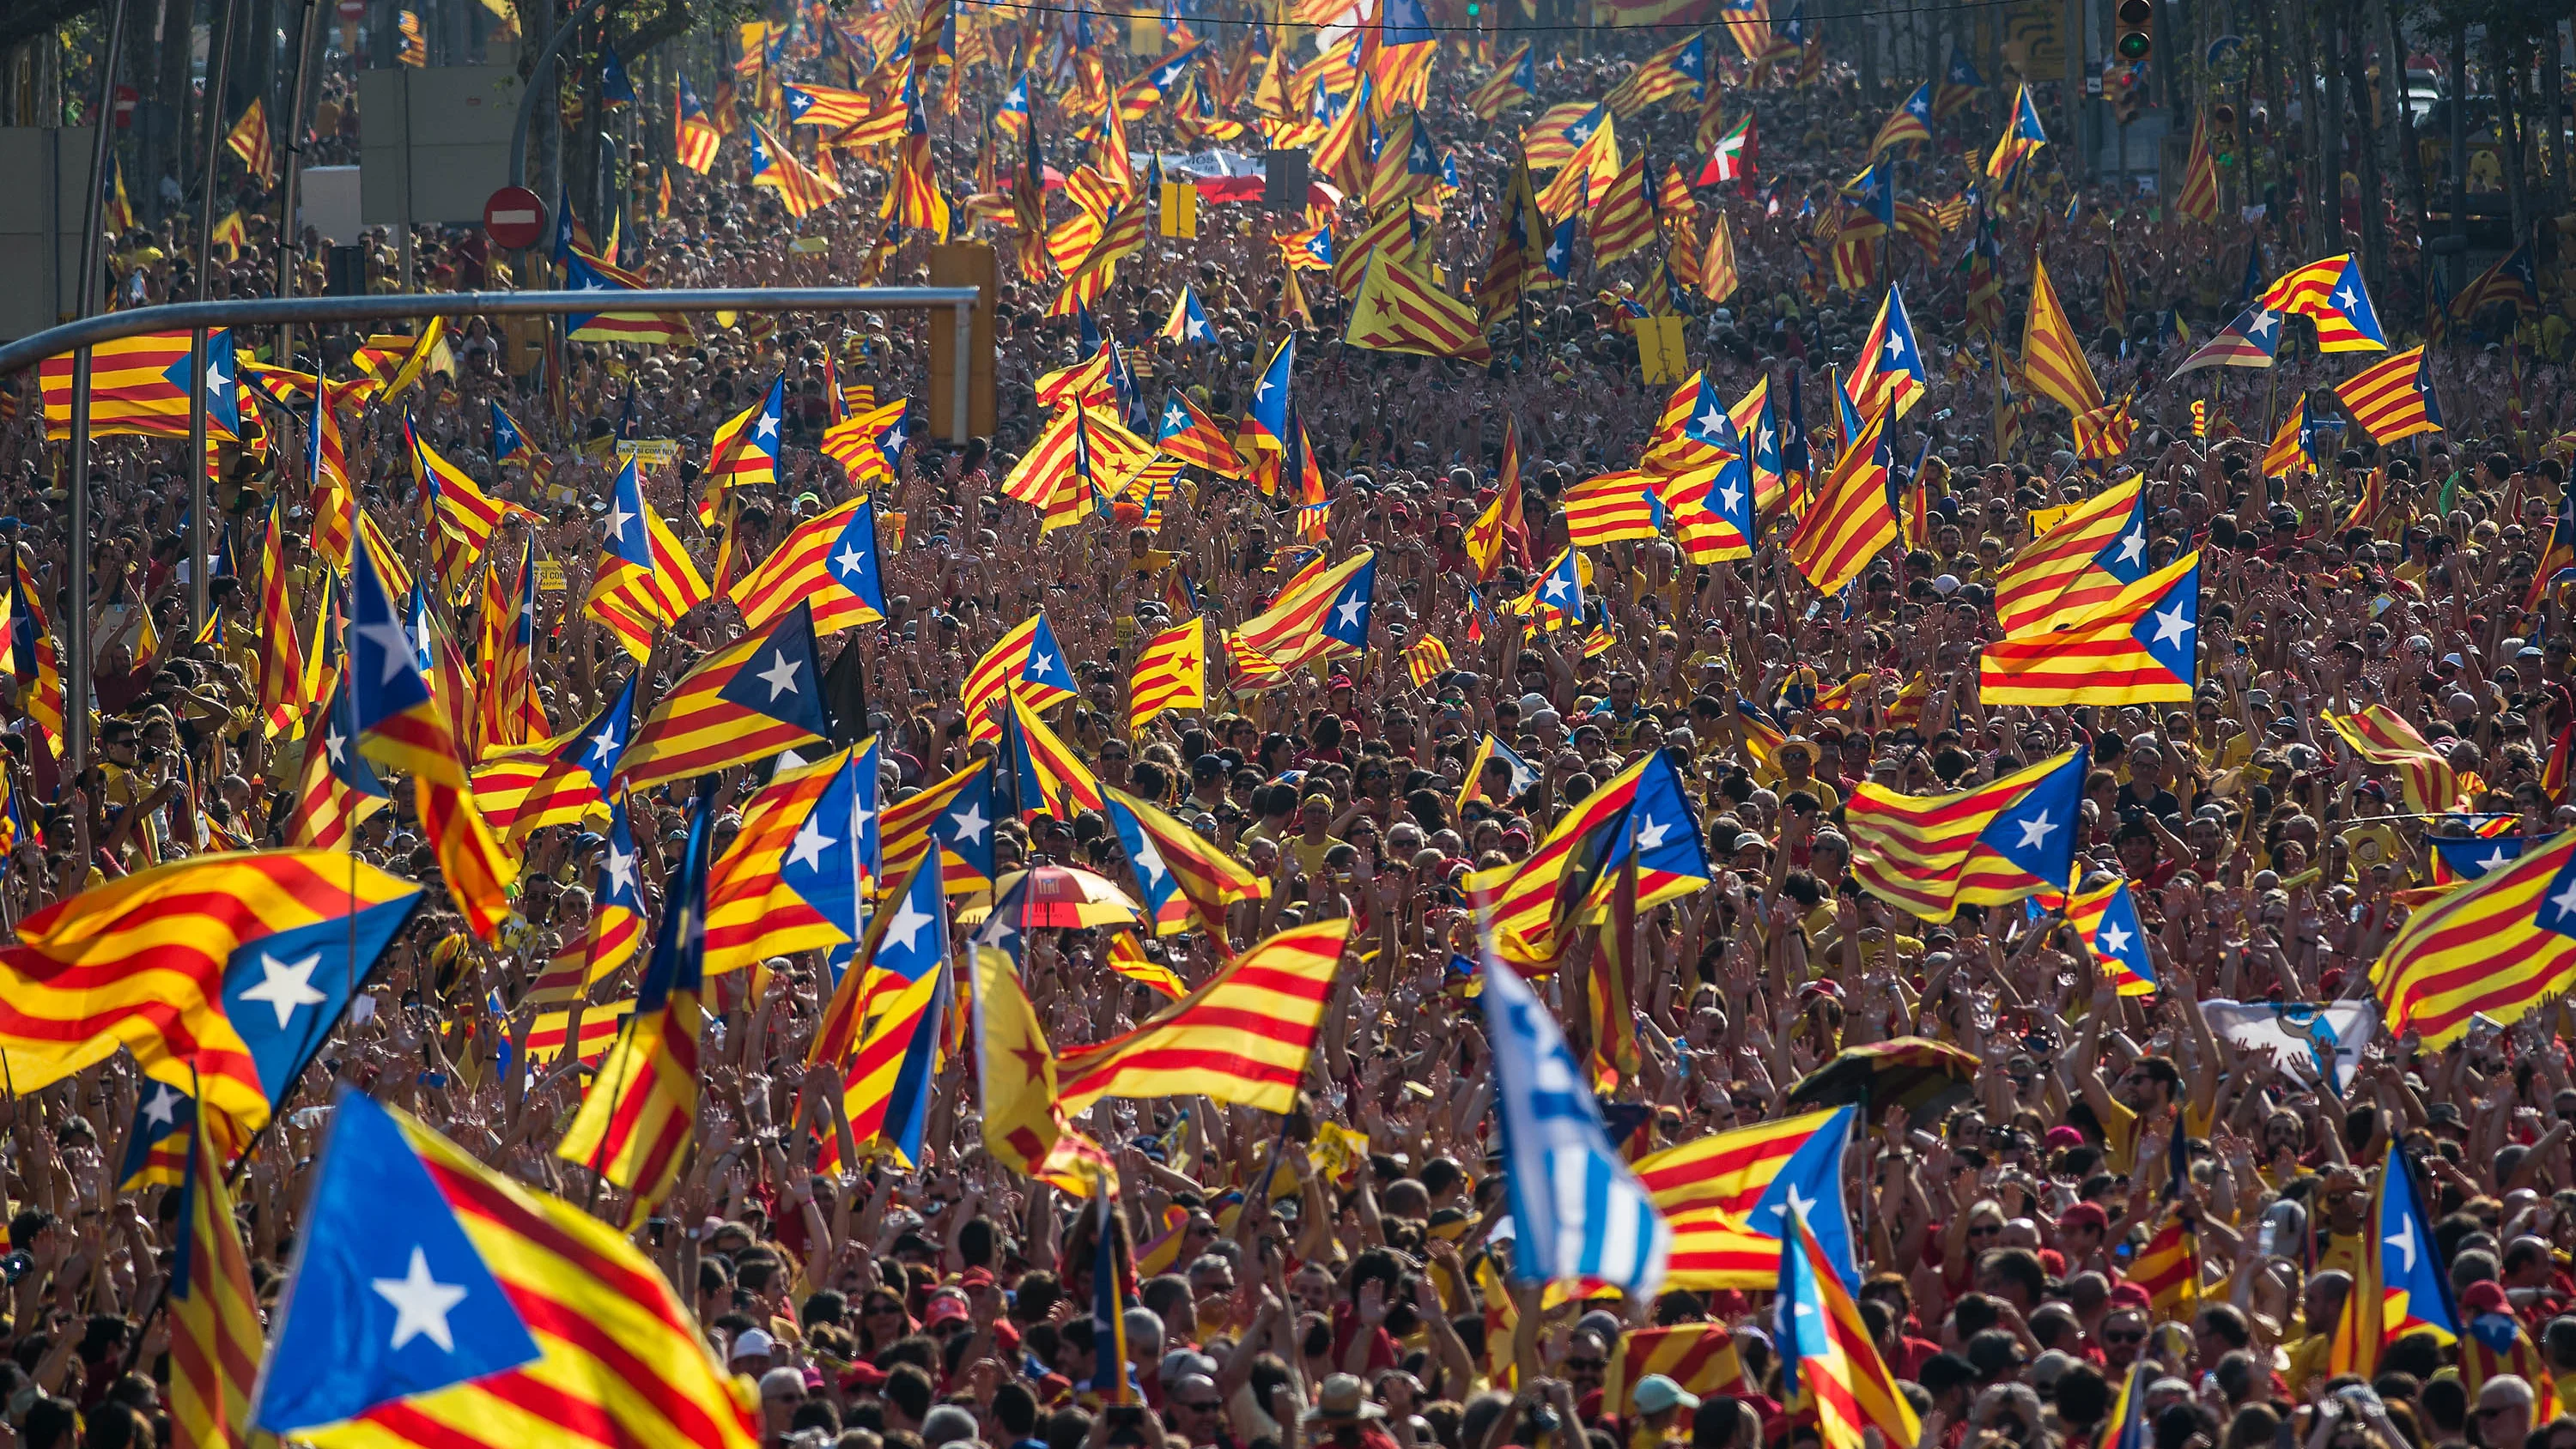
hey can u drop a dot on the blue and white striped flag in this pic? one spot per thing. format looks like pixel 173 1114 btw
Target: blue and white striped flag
pixel 1577 1210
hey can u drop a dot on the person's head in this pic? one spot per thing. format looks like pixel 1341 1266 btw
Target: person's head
pixel 1197 1409
pixel 782 1393
pixel 2502 1416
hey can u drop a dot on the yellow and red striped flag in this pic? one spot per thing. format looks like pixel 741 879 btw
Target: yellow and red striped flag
pixel 2393 399
pixel 2141 648
pixel 830 562
pixel 1991 845
pixel 636 1119
pixel 2169 1269
pixel 249 140
pixel 1399 310
pixel 744 452
pixel 2199 198
pixel 1425 659
pixel 2331 294
pixel 744 702
pixel 1029 661
pixel 2052 357
pixel 1243 1037
pixel 1829 1364
pixel 1622 221
pixel 694 137
pixel 1170 673
pixel 2069 570
pixel 1609 509
pixel 1849 521
pixel 281 654
pixel 137 385
pixel 215 1328
pixel 1186 878
pixel 800 188
pixel 1700 1357
pixel 645 580
pixel 2382 736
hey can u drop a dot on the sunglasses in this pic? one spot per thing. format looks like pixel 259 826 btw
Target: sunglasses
pixel 2124 1337
pixel 1587 1365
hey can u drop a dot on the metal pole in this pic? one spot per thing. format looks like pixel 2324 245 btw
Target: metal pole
pixel 76 628
pixel 198 587
pixel 26 352
pixel 290 240
pixel 537 83
pixel 959 420
pixel 76 638
pixel 218 67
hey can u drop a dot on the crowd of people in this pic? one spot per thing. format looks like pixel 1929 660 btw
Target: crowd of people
pixel 1344 1273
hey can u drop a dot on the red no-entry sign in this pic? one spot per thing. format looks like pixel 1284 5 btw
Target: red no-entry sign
pixel 514 217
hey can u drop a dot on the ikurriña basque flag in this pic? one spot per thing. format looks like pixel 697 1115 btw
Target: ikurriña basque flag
pixel 1578 1211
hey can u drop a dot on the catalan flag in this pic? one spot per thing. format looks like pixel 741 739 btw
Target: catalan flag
pixel 2168 1268
pixel 958 813
pixel 2252 340
pixel 1015 1079
pixel 1610 508
pixel 1849 522
pixel 1191 436
pixel 401 726
pixel 1397 309
pixel 462 517
pixel 2106 919
pixel 645 580
pixel 561 781
pixel 883 1027
pixel 157 1146
pixel 215 1328
pixel 2021 139
pixel 1829 1365
pixel 2510 282
pixel 249 140
pixel 792 879
pixel 614 932
pixel 2331 294
pixel 2499 946
pixel 1426 660
pixel 1752 1176
pixel 2393 399
pixel 224 972
pixel 1243 1037
pixel 1265 418
pixel 2052 357
pixel 831 564
pixel 1028 662
pixel 586 273
pixel 138 385
pixel 1045 774
pixel 1909 124
pixel 1887 370
pixel 335 787
pixel 1679 69
pixel 512 714
pixel 694 138
pixel 439 1304
pixel 1642 811
pixel 1700 1357
pixel 1170 673
pixel 2083 561
pixel 1186 881
pixel 2493 1342
pixel 2382 736
pixel 2287 453
pixel 1514 80
pixel 1320 617
pixel 1622 220
pixel 744 452
pixel 800 188
pixel 2139 648
pixel 1997 843
pixel 744 702
pixel 637 1116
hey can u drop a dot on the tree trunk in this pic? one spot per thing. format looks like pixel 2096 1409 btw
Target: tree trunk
pixel 2368 139
pixel 2552 83
pixel 2410 156
pixel 166 143
pixel 2506 67
pixel 2317 206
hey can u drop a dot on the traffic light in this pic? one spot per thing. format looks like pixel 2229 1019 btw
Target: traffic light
pixel 2128 94
pixel 2137 38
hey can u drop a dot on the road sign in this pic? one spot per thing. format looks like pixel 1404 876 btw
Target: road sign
pixel 514 218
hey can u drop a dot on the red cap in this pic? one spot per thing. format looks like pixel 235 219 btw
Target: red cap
pixel 2484 1297
pixel 2130 1295
pixel 976 1278
pixel 2084 1215
pixel 943 1307
pixel 863 1375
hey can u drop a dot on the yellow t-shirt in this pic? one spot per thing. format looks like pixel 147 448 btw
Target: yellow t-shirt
pixel 2120 1133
